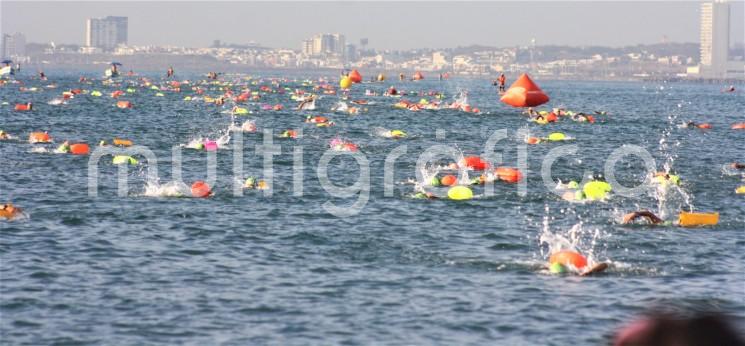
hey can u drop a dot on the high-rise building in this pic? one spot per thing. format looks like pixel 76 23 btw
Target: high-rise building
pixel 714 38
pixel 325 44
pixel 13 45
pixel 106 33
pixel 307 47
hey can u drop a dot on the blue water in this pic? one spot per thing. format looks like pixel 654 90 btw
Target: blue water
pixel 254 269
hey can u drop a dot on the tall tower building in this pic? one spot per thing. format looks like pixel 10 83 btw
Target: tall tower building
pixel 106 33
pixel 13 45
pixel 715 38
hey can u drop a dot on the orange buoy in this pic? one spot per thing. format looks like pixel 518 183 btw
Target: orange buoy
pixel 704 126
pixel 551 117
pixel 39 137
pixel 568 258
pixel 738 126
pixel 355 76
pixel 418 76
pixel 508 174
pixel 474 162
pixel 117 93
pixel 23 106
pixel 200 189
pixel 448 180
pixel 124 104
pixel 122 142
pixel 79 149
pixel 524 93
pixel 533 140
pixel 67 95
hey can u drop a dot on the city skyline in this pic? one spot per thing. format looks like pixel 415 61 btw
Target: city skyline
pixel 273 26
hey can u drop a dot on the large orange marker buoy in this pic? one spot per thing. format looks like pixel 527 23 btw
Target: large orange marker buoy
pixel 524 93
pixel 355 76
pixel 418 76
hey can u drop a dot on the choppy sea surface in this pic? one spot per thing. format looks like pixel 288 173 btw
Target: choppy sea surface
pixel 145 268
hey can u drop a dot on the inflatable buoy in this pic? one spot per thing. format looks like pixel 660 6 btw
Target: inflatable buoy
pixel 704 126
pixel 23 106
pixel 460 193
pixel 381 77
pixel 289 134
pixel 96 93
pixel 355 76
pixel 79 149
pixel 568 258
pixel 740 190
pixel 345 83
pixel 557 136
pixel 738 126
pixel 533 140
pixel 123 160
pixel 596 190
pixel 39 137
pixel 240 111
pixel 200 189
pixel 398 134
pixel 508 174
pixel 122 142
pixel 448 180
pixel 686 219
pixel 418 76
pixel 474 162
pixel 524 93
pixel 124 104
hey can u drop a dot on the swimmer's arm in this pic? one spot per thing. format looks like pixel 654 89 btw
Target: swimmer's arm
pixel 630 217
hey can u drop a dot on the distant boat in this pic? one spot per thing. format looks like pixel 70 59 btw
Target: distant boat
pixel 112 72
pixel 109 73
pixel 7 69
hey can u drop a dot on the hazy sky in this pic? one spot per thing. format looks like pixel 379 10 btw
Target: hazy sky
pixel 388 25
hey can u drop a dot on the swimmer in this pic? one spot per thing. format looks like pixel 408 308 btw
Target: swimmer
pixel 9 211
pixel 642 214
pixel 4 135
pixel 737 165
pixel 248 126
pixel 63 148
pixel 569 261
pixel 502 80
pixel 309 103
pixel 731 89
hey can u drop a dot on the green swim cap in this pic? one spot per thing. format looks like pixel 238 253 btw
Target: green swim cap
pixel 675 179
pixel 557 268
pixel 573 185
pixel 435 181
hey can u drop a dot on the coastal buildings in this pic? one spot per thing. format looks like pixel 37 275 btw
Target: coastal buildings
pixel 715 43
pixel 13 46
pixel 106 33
pixel 323 45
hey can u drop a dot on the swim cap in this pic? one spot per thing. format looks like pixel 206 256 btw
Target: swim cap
pixel 557 268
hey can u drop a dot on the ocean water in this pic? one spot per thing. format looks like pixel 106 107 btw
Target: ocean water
pixel 145 268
